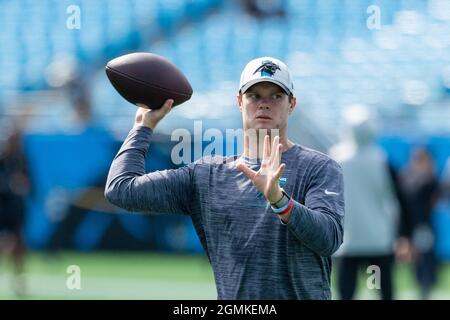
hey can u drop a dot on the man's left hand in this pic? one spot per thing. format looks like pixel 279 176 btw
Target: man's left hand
pixel 266 178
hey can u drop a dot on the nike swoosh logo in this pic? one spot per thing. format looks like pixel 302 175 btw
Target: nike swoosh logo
pixel 331 193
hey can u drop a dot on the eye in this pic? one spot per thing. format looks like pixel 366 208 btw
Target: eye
pixel 252 96
pixel 277 96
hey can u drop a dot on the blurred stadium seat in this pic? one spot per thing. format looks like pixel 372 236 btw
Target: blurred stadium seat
pixel 411 45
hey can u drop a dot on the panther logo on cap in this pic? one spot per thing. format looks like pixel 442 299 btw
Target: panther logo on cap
pixel 268 68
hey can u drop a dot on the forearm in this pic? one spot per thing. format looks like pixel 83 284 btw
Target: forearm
pixel 128 164
pixel 319 229
pixel 129 187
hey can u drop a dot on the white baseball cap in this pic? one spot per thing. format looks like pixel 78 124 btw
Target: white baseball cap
pixel 266 69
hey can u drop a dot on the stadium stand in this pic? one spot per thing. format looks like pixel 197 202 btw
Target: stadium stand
pixel 401 70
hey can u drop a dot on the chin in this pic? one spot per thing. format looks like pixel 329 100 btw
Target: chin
pixel 262 127
pixel 267 126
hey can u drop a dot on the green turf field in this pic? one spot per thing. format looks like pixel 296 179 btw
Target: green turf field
pixel 152 276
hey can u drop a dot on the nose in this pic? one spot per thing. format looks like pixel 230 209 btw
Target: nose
pixel 264 104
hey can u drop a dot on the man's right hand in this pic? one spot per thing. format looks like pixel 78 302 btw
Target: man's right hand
pixel 149 118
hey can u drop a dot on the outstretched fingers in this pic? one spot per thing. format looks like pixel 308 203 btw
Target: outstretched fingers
pixel 276 151
pixel 266 150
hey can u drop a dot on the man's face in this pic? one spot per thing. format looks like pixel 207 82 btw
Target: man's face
pixel 265 106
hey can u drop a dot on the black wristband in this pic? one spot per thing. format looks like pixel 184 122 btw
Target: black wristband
pixel 283 201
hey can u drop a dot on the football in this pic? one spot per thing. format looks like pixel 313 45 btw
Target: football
pixel 148 79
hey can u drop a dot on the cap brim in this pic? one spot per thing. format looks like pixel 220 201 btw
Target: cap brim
pixel 246 86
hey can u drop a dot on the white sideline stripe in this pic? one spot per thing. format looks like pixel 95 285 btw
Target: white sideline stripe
pixel 41 286
pixel 403 295
pixel 111 288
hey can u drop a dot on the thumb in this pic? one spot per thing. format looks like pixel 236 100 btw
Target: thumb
pixel 280 171
pixel 165 109
pixel 246 170
pixel 167 105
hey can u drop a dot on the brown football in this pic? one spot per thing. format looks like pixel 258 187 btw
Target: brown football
pixel 148 79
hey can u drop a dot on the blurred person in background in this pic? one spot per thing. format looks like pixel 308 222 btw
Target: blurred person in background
pixel 14 186
pixel 73 207
pixel 370 202
pixel 420 191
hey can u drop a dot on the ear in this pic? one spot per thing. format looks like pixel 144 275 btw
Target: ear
pixel 293 104
pixel 239 101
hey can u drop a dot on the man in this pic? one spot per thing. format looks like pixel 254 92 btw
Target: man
pixel 371 204
pixel 263 241
pixel 420 190
pixel 14 186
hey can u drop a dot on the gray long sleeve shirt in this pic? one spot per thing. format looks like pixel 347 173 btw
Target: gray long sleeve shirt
pixel 252 253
